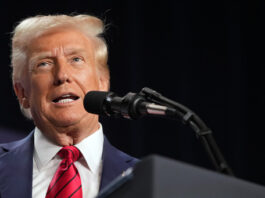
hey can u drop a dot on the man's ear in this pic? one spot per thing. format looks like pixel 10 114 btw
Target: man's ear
pixel 104 80
pixel 21 95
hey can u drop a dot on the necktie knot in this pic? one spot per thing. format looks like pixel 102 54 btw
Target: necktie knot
pixel 69 153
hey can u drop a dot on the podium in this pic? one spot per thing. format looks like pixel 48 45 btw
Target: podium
pixel 160 177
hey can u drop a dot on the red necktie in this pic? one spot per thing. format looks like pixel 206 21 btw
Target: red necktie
pixel 66 182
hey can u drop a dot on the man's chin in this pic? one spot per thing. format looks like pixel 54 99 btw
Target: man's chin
pixel 64 121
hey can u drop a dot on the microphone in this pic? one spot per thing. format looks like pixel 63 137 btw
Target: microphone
pixel 131 106
pixel 145 103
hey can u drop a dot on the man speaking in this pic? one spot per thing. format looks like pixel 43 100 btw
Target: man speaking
pixel 56 60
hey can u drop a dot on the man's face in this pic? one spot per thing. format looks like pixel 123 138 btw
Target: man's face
pixel 61 70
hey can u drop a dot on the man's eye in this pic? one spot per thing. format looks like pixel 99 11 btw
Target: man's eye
pixel 77 59
pixel 43 64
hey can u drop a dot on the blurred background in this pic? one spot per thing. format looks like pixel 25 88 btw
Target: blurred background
pixel 207 55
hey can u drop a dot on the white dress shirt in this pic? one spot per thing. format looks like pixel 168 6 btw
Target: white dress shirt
pixel 46 161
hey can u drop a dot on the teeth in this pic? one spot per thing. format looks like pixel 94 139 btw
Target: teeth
pixel 64 96
pixel 65 100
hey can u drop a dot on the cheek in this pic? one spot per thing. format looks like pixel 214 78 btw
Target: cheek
pixel 39 86
pixel 88 80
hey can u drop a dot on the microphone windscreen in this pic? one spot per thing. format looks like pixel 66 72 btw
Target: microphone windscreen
pixel 94 101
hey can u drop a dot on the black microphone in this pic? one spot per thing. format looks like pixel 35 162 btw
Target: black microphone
pixel 131 106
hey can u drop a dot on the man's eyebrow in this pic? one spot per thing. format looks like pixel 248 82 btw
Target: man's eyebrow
pixel 48 54
pixel 39 56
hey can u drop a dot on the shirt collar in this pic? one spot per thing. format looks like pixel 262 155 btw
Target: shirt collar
pixel 91 148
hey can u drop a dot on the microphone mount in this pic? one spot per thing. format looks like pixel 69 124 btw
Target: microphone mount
pixel 188 117
pixel 133 106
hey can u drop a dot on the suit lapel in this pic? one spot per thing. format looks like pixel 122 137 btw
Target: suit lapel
pixel 114 163
pixel 16 168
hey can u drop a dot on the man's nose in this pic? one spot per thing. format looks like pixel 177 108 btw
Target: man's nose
pixel 62 73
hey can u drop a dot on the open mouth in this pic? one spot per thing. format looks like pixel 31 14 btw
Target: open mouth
pixel 66 98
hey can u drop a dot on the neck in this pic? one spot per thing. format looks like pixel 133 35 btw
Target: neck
pixel 68 135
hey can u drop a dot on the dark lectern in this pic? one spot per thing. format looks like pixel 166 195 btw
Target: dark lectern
pixel 159 177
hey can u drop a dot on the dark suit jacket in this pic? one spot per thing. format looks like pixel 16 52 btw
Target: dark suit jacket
pixel 16 160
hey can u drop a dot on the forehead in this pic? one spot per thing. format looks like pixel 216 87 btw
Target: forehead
pixel 60 41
